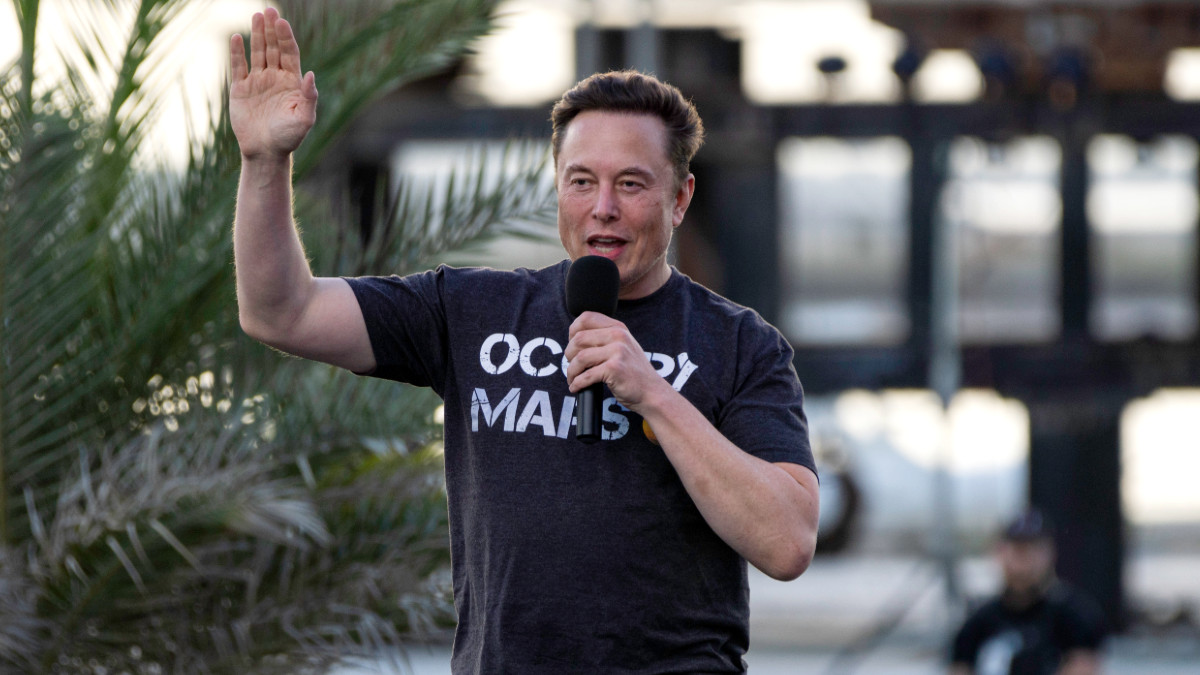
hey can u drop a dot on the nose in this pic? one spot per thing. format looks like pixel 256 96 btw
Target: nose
pixel 605 208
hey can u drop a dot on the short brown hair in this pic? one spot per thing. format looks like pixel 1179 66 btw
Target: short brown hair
pixel 630 91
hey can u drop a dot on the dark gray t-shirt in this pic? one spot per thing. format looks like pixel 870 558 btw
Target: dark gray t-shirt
pixel 1032 640
pixel 568 557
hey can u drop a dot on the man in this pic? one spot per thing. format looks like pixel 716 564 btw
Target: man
pixel 619 556
pixel 1038 625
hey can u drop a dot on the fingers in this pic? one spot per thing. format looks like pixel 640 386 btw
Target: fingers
pixel 601 348
pixel 582 372
pixel 289 51
pixel 270 21
pixel 582 359
pixel 621 366
pixel 272 44
pixel 237 59
pixel 589 330
pixel 258 43
pixel 586 349
pixel 309 87
pixel 591 321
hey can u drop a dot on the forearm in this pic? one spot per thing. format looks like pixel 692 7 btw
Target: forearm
pixel 273 276
pixel 758 508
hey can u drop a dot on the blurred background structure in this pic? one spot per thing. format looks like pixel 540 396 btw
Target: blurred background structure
pixel 1052 146
pixel 976 221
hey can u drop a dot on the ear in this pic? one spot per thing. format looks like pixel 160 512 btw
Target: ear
pixel 683 198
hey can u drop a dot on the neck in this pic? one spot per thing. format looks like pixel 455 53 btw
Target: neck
pixel 647 284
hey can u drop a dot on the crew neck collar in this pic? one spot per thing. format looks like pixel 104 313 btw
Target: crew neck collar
pixel 672 281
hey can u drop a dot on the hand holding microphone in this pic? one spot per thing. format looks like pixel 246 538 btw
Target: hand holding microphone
pixel 593 283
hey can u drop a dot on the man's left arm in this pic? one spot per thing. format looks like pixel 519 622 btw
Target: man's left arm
pixel 765 511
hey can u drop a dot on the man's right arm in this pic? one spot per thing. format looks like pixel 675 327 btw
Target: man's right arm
pixel 272 106
pixel 280 302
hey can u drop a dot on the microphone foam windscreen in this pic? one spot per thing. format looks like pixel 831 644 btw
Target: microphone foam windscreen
pixel 593 283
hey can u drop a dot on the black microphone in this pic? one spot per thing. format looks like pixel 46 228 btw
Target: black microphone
pixel 593 283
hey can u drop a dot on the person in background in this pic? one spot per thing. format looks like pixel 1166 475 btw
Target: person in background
pixel 1037 625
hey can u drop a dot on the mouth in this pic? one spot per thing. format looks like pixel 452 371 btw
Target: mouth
pixel 605 246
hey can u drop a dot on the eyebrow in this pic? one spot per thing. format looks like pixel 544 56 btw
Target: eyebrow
pixel 627 171
pixel 636 171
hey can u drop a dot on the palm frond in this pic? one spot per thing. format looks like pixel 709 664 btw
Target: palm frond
pixel 362 49
pixel 45 333
pixel 135 522
pixel 174 493
pixel 495 192
pixel 151 545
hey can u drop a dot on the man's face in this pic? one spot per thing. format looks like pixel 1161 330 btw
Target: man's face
pixel 1026 564
pixel 618 197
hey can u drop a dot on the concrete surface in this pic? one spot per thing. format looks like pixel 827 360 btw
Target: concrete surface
pixel 888 615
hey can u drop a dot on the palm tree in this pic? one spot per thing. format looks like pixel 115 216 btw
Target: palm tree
pixel 176 497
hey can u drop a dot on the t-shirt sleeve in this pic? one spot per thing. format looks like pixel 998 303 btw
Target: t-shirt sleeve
pixel 765 416
pixel 406 321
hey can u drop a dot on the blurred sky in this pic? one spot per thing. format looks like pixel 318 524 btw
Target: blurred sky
pixel 193 61
pixel 529 60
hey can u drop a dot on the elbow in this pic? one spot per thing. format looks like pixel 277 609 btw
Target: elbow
pixel 795 566
pixel 794 544
pixel 249 319
pixel 795 553
pixel 272 318
pixel 257 329
pixel 253 329
pixel 792 560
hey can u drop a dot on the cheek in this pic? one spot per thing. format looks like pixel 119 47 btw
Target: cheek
pixel 653 211
pixel 650 201
pixel 567 202
pixel 565 226
pixel 570 212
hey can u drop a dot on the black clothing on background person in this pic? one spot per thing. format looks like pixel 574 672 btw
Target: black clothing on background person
pixel 998 639
pixel 1037 625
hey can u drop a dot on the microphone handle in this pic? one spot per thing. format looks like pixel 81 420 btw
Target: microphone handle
pixel 589 413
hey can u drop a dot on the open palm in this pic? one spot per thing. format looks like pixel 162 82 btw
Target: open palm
pixel 272 105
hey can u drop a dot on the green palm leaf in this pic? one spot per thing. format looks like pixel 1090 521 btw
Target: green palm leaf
pixel 174 493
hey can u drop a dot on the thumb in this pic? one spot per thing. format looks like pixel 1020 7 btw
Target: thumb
pixel 309 86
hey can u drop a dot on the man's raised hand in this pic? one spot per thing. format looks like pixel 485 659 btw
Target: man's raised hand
pixel 272 105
